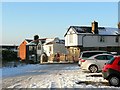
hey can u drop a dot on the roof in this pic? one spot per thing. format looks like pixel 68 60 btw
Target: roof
pixel 101 30
pixel 28 40
pixel 60 42
pixel 52 42
pixel 34 42
pixel 109 31
pixel 82 29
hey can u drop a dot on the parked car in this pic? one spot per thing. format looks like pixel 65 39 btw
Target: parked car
pixel 95 63
pixel 87 54
pixel 111 71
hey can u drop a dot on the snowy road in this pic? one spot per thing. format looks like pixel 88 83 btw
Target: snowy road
pixel 50 76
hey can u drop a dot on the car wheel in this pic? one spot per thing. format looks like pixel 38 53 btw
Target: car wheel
pixel 93 69
pixel 114 81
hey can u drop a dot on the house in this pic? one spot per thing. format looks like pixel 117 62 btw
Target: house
pixel 22 49
pixel 38 50
pixel 54 46
pixel 34 50
pixel 79 38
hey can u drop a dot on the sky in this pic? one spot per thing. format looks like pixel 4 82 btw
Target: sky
pixel 22 20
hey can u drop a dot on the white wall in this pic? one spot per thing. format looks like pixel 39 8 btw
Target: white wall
pixel 74 38
pixel 90 40
pixel 39 52
pixel 93 41
pixel 55 48
pixel 59 48
pixel 46 49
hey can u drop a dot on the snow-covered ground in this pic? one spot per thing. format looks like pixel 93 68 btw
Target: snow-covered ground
pixel 51 76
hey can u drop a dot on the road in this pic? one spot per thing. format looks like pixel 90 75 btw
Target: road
pixel 39 73
pixel 49 76
pixel 37 69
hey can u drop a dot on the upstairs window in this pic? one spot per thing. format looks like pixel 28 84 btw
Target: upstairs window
pixel 71 37
pixel 30 48
pixel 39 47
pixel 102 39
pixel 50 48
pixel 116 39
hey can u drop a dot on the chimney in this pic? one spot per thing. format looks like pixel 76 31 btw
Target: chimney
pixel 36 37
pixel 94 27
pixel 119 25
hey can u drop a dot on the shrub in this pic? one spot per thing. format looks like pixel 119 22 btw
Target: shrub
pixel 8 55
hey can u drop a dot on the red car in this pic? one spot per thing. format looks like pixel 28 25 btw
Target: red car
pixel 111 71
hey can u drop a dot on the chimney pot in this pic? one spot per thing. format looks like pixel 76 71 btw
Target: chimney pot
pixel 36 37
pixel 94 27
pixel 119 25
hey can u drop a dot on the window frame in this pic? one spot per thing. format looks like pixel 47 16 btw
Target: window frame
pixel 102 39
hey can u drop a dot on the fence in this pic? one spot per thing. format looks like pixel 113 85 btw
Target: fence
pixel 63 57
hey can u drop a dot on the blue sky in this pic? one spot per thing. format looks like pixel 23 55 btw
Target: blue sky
pixel 21 20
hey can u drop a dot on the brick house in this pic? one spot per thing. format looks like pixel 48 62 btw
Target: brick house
pixel 22 49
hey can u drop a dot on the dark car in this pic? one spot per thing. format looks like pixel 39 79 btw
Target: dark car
pixel 111 71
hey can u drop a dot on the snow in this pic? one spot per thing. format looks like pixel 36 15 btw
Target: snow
pixel 67 77
pixel 109 31
pixel 7 71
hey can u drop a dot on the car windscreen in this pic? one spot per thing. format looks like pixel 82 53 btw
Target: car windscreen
pixel 111 60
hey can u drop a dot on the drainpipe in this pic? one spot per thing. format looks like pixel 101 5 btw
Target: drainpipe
pixel 118 43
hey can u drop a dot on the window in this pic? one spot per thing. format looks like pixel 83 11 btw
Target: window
pixel 34 48
pixel 71 37
pixel 116 39
pixel 89 54
pixel 50 48
pixel 101 57
pixel 102 39
pixel 30 48
pixel 109 57
pixel 111 61
pixel 39 47
pixel 119 63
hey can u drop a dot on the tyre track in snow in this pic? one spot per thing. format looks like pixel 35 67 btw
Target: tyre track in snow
pixel 48 73
pixel 51 76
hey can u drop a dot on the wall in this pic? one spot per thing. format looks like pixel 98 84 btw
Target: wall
pixel 94 41
pixel 47 50
pixel 59 48
pixel 22 50
pixel 71 39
